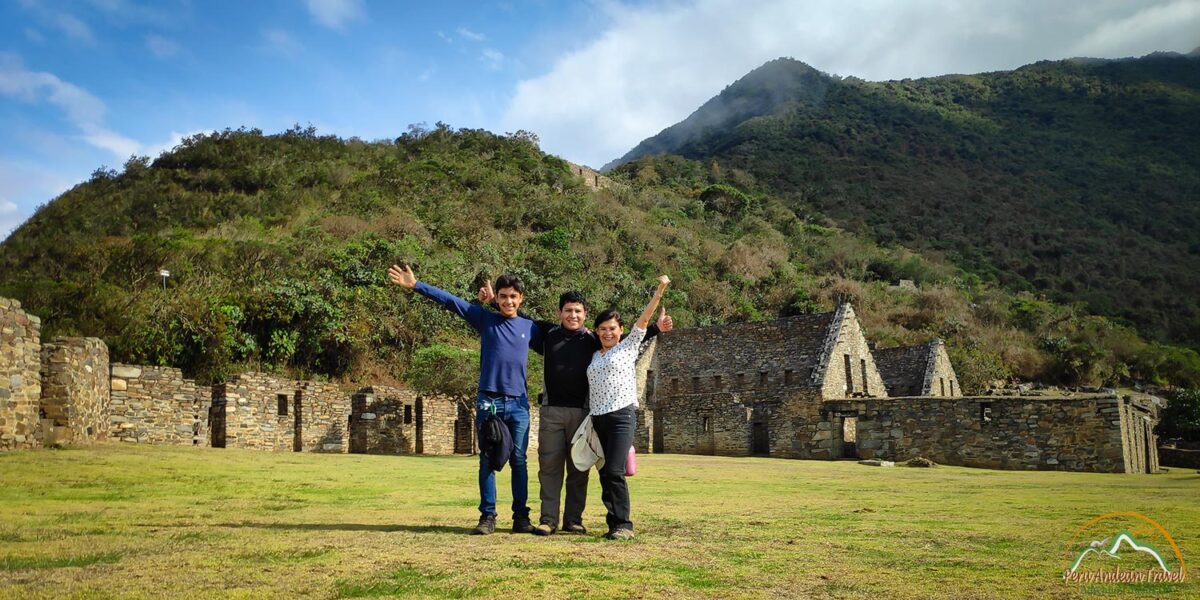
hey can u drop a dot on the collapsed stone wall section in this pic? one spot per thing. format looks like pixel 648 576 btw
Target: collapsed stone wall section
pixel 20 377
pixel 75 391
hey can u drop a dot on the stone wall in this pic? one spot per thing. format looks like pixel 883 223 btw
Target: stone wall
pixel 386 420
pixel 157 405
pixel 75 395
pixel 20 378
pixel 264 412
pixel 848 368
pixel 752 359
pixel 439 415
pixel 1068 434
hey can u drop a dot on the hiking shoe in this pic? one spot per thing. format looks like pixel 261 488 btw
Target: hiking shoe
pixel 575 528
pixel 486 526
pixel 543 529
pixel 522 525
pixel 619 534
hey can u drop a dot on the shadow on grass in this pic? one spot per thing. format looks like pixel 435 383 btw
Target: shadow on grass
pixel 351 527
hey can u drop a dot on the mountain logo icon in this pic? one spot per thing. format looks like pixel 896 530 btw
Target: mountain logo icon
pixel 1124 547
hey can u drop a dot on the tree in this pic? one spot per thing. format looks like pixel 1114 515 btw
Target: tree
pixel 445 370
pixel 1181 417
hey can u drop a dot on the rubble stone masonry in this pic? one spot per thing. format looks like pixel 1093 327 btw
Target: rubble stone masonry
pixel 1067 434
pixel 20 380
pixel 157 405
pixel 75 395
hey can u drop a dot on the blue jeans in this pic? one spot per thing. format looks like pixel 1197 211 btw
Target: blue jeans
pixel 514 411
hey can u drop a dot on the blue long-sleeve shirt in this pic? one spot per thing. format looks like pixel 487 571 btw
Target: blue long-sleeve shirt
pixel 504 342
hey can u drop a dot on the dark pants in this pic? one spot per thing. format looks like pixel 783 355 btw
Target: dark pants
pixel 615 431
pixel 555 428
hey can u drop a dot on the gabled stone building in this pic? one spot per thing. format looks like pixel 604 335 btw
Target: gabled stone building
pixel 757 388
pixel 810 387
pixel 921 370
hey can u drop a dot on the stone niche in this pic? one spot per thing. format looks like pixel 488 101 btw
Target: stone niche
pixel 75 391
pixel 20 377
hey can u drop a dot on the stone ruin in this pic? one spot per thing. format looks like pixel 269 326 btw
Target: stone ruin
pixel 66 392
pixel 811 387
pixel 807 387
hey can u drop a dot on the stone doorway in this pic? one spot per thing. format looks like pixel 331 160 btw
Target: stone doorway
pixel 298 427
pixel 850 437
pixel 216 424
pixel 464 430
pixel 760 443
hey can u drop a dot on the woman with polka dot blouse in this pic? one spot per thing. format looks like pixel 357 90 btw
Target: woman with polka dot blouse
pixel 612 382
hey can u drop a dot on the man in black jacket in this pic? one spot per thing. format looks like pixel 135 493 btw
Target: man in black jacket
pixel 567 348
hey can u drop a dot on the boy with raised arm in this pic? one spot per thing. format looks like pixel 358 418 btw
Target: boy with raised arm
pixel 505 340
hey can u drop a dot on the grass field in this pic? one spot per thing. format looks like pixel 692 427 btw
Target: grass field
pixel 128 522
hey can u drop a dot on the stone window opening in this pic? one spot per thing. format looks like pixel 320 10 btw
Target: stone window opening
pixel 716 382
pixel 789 376
pixel 862 363
pixel 695 385
pixel 704 424
pixel 281 400
pixel 407 414
pixel 675 385
pixel 849 374
pixel 951 387
pixel 942 385
pixel 762 378
pixel 985 412
pixel 741 380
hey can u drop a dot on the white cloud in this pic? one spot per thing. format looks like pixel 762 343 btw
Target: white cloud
pixel 23 186
pixel 335 14
pixel 278 41
pixel 10 218
pixel 34 36
pixel 119 145
pixel 161 47
pixel 72 27
pixel 651 65
pixel 1173 25
pixel 493 58
pixel 445 38
pixel 83 110
pixel 471 35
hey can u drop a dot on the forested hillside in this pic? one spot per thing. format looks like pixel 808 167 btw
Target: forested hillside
pixel 278 247
pixel 1077 179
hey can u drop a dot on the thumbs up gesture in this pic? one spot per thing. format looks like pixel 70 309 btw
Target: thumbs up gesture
pixel 665 322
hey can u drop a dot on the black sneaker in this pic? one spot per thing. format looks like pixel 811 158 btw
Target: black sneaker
pixel 575 528
pixel 543 529
pixel 486 526
pixel 522 525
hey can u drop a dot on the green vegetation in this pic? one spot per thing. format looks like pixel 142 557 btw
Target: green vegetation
pixel 122 521
pixel 1077 179
pixel 278 248
pixel 1181 417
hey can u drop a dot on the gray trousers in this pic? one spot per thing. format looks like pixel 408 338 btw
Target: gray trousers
pixel 557 425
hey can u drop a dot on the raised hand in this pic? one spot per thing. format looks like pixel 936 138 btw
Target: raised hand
pixel 402 276
pixel 665 322
pixel 486 295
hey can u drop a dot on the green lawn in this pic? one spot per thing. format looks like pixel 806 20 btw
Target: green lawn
pixel 121 521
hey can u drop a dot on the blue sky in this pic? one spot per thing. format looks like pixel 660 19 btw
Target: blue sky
pixel 88 83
